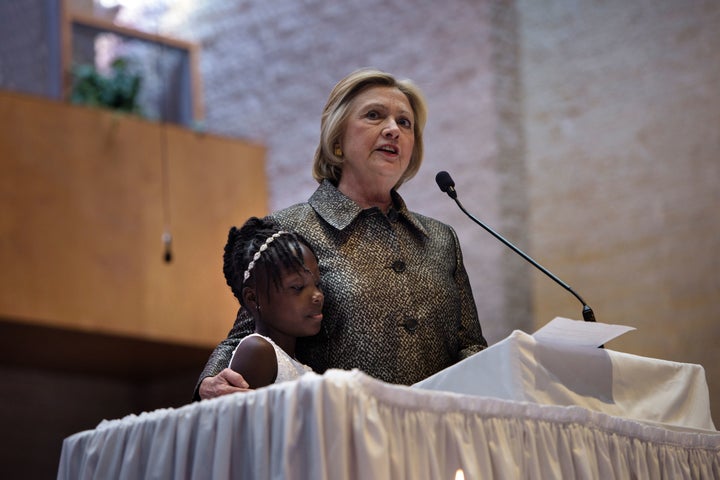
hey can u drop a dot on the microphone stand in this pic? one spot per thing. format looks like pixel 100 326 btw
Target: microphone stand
pixel 587 312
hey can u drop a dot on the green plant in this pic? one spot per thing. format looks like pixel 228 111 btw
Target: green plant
pixel 118 91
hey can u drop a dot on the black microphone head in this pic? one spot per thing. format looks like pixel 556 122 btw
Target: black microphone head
pixel 446 183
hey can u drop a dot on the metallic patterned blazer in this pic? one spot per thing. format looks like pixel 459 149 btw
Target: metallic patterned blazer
pixel 398 303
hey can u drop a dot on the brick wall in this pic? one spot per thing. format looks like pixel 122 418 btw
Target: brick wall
pixel 622 131
pixel 584 131
pixel 268 67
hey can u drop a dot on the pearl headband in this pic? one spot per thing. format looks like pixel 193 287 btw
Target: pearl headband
pixel 256 257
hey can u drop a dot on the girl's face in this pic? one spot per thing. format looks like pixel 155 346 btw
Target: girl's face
pixel 379 137
pixel 295 308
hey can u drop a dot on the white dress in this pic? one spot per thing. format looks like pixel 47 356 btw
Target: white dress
pixel 288 367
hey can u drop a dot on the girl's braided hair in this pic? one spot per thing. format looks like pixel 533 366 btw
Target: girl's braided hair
pixel 282 253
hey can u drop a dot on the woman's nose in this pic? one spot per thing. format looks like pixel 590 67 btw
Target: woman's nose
pixel 391 129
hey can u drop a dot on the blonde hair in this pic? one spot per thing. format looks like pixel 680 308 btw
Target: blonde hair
pixel 328 165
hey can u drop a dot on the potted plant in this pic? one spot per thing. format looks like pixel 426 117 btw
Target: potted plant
pixel 117 91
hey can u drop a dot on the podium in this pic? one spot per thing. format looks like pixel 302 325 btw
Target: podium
pixel 500 422
pixel 519 368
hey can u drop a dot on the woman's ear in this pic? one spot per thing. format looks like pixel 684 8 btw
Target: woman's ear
pixel 249 297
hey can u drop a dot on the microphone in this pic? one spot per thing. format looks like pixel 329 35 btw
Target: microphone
pixel 447 185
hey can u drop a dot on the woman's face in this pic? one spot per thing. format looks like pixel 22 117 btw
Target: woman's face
pixel 379 138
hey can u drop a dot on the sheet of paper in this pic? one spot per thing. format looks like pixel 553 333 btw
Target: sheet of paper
pixel 581 333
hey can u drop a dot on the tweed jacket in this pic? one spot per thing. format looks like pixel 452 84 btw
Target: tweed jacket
pixel 398 303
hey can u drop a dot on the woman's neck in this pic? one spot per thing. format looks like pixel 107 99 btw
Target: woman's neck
pixel 367 197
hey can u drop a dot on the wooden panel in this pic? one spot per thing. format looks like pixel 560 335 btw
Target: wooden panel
pixel 81 221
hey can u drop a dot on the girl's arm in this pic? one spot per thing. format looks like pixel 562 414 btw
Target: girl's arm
pixel 256 361
pixel 216 379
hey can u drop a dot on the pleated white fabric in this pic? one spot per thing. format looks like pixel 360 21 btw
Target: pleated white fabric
pixel 619 384
pixel 346 425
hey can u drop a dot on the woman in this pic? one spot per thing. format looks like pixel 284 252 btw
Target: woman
pixel 398 303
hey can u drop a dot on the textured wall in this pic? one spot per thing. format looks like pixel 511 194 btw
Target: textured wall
pixel 268 67
pixel 597 121
pixel 622 122
pixel 30 47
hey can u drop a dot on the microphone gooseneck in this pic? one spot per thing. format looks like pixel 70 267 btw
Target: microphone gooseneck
pixel 447 185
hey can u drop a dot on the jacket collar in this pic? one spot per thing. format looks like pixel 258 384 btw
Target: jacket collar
pixel 340 211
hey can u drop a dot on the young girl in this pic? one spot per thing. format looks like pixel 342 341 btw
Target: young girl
pixel 275 275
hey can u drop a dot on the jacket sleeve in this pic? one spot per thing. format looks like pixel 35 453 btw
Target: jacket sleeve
pixel 220 358
pixel 470 332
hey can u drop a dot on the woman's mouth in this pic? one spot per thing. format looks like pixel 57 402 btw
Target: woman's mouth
pixel 389 149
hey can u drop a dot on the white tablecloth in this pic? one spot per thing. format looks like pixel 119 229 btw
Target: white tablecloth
pixel 520 368
pixel 346 425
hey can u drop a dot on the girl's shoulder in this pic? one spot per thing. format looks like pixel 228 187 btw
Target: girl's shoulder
pixel 256 341
pixel 255 359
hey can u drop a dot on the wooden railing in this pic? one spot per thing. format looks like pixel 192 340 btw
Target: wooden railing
pixel 85 199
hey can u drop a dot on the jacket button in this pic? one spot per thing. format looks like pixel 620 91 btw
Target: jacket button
pixel 398 266
pixel 410 324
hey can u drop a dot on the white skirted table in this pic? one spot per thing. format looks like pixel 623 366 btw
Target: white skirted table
pixel 346 425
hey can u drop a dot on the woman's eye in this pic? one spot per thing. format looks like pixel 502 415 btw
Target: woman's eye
pixel 405 123
pixel 373 115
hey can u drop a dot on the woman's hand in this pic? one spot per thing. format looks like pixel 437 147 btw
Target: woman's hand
pixel 226 382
